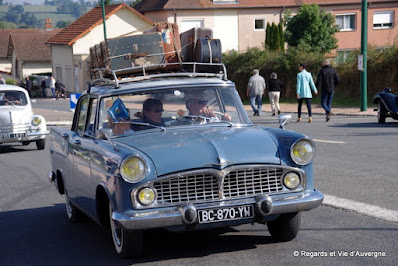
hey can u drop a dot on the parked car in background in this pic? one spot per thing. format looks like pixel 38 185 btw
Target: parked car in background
pixel 17 121
pixel 387 105
pixel 140 156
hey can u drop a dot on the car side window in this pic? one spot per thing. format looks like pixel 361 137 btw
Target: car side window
pixel 92 114
pixel 82 115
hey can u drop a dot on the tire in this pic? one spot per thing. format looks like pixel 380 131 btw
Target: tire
pixel 74 215
pixel 41 143
pixel 285 227
pixel 25 143
pixel 381 115
pixel 128 243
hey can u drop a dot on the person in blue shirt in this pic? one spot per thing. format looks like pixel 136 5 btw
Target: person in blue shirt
pixel 303 90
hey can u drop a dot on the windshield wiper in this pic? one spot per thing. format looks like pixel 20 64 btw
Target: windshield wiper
pixel 142 124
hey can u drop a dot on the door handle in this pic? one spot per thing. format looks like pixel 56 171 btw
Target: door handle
pixel 77 142
pixel 65 135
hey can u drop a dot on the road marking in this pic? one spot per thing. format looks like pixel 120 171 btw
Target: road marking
pixel 329 141
pixel 361 208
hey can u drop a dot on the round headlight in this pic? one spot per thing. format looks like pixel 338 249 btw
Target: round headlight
pixel 36 121
pixel 303 151
pixel 291 180
pixel 133 169
pixel 146 196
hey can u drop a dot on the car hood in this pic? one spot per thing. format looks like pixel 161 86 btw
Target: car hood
pixel 14 114
pixel 174 151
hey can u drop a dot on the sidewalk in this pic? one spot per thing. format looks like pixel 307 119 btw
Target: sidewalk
pixel 316 109
pixel 65 118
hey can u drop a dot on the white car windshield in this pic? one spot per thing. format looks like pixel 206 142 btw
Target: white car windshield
pixel 13 98
pixel 129 113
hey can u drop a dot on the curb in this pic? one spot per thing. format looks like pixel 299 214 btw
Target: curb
pixel 59 123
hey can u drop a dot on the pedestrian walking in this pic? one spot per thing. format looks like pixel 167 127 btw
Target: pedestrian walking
pixel 52 86
pixel 28 86
pixel 43 87
pixel 274 87
pixel 327 80
pixel 2 80
pixel 303 91
pixel 255 90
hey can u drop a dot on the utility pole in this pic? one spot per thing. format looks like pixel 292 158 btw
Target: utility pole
pixel 364 49
pixel 103 17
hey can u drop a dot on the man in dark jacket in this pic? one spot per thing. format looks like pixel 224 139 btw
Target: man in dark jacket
pixel 327 80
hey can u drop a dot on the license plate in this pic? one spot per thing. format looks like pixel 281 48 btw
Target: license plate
pixel 225 214
pixel 12 135
pixel 17 135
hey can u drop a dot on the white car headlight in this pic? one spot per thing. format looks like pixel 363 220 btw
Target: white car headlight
pixel 36 121
pixel 133 169
pixel 303 151
pixel 146 196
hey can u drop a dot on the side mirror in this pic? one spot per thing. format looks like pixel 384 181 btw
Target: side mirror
pixel 387 89
pixel 284 120
pixel 104 133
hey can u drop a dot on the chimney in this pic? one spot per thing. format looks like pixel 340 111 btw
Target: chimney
pixel 48 26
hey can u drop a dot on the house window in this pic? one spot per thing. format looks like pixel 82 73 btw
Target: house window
pixel 192 23
pixel 259 24
pixel 58 73
pixel 383 19
pixel 345 55
pixel 346 22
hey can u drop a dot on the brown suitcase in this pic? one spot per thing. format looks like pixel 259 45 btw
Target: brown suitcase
pixel 189 39
pixel 171 41
pixel 125 53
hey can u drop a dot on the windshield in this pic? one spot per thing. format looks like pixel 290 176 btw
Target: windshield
pixel 13 98
pixel 159 109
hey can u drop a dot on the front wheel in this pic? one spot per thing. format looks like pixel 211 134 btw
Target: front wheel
pixel 285 227
pixel 41 143
pixel 381 115
pixel 127 243
pixel 25 143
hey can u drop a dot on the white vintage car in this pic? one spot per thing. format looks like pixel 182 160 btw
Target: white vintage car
pixel 17 121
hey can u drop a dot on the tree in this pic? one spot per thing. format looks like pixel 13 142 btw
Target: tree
pixel 312 29
pixel 7 25
pixel 268 34
pixel 62 24
pixel 281 37
pixel 17 9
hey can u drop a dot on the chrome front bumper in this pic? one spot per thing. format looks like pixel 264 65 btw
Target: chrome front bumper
pixel 29 136
pixel 264 206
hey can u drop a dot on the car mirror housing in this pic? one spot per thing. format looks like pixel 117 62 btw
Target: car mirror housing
pixel 284 120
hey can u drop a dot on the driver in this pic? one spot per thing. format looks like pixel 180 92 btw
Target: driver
pixel 197 106
pixel 10 100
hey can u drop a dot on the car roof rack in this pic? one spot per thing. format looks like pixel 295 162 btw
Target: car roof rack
pixel 145 72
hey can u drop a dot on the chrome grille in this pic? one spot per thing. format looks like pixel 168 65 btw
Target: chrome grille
pixel 200 186
pixel 195 187
pixel 252 181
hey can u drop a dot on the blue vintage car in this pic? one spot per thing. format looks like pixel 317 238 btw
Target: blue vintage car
pixel 178 151
pixel 387 105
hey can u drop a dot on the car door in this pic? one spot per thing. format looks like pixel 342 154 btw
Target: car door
pixel 81 145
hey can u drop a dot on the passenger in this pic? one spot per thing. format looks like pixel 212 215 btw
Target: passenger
pixel 119 118
pixel 152 110
pixel 197 105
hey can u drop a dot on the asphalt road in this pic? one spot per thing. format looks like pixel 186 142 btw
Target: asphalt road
pixel 356 160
